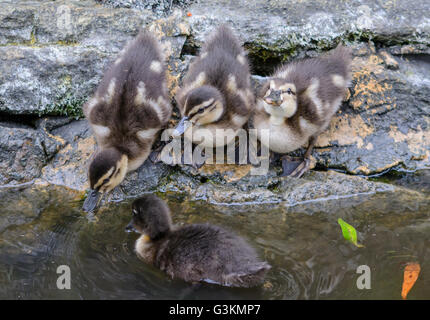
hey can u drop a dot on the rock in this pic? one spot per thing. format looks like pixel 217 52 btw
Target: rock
pixel 386 122
pixel 43 23
pixel 22 205
pixel 69 166
pixel 24 152
pixel 159 7
pixel 50 67
pixel 271 188
pixel 48 80
pixel 217 184
pixel 389 60
pixel 273 31
pixel 76 46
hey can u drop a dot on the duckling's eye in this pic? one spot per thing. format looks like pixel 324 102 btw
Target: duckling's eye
pixel 201 110
pixel 105 181
pixel 289 91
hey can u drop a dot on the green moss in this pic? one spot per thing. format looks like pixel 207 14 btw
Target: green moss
pixel 66 104
pixel 358 36
pixel 66 43
pixel 32 38
pixel 265 57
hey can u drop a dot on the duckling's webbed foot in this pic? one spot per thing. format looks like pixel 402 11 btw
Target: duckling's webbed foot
pixel 198 162
pixel 302 168
pixel 292 166
pixel 296 167
pixel 155 155
pixel 241 156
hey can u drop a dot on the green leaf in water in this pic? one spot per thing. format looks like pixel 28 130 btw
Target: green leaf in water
pixel 349 232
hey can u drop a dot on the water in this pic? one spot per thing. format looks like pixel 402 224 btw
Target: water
pixel 43 227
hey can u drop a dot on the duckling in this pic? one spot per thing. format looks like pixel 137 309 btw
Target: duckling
pixel 297 103
pixel 196 252
pixel 126 112
pixel 216 92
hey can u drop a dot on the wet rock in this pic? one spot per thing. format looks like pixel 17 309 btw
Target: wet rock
pixel 271 188
pixel 148 178
pixel 21 205
pixel 418 180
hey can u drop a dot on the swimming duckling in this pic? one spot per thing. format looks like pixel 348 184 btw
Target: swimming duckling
pixel 194 253
pixel 298 102
pixel 216 92
pixel 128 109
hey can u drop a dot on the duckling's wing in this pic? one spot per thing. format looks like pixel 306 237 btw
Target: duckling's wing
pixel 132 95
pixel 223 38
pixel 147 83
pixel 302 72
pixel 231 74
pixel 223 64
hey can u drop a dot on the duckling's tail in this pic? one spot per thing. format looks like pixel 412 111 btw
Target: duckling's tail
pixel 223 38
pixel 340 62
pixel 342 53
pixel 252 277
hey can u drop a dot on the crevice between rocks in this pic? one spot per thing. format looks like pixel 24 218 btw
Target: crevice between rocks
pixel 27 121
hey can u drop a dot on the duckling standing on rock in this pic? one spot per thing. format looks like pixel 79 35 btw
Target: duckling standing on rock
pixel 194 253
pixel 298 102
pixel 216 92
pixel 128 109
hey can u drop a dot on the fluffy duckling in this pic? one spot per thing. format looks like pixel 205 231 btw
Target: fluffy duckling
pixel 216 92
pixel 126 112
pixel 194 253
pixel 298 102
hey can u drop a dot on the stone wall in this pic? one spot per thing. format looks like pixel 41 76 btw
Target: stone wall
pixel 53 53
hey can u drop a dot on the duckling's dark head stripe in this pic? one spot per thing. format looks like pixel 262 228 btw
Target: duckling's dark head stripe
pixel 201 96
pixel 102 163
pixel 201 107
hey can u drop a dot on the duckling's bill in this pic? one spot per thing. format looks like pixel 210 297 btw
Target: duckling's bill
pixel 130 227
pixel 92 201
pixel 182 126
pixel 274 98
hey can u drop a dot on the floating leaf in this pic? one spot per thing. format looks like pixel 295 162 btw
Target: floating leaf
pixel 349 232
pixel 410 276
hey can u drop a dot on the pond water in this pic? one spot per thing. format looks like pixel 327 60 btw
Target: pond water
pixel 43 227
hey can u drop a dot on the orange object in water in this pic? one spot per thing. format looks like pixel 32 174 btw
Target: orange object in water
pixel 189 14
pixel 410 276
